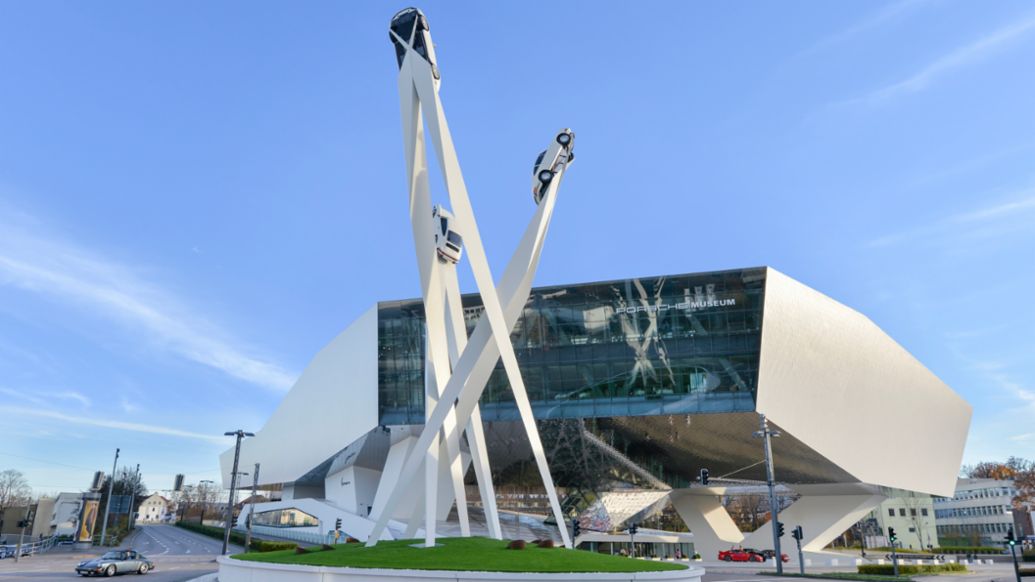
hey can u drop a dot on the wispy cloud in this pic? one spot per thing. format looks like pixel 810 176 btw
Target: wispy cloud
pixel 110 424
pixel 47 265
pixel 884 15
pixel 963 56
pixel 43 398
pixel 1020 204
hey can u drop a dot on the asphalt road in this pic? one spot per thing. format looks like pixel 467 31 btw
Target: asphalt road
pixel 178 554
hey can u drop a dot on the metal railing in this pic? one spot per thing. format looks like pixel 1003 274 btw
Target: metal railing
pixel 28 549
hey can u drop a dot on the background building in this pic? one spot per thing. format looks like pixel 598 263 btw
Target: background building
pixel 154 509
pixel 911 514
pixel 979 513
pixel 637 384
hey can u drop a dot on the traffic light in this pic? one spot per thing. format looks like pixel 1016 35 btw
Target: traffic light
pixel 779 529
pixel 704 476
pixel 337 524
pixel 891 535
pixel 1010 539
pixel 633 529
pixel 576 529
pixel 234 521
pixel 797 533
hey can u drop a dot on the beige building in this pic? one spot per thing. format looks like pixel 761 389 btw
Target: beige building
pixel 154 509
pixel 912 516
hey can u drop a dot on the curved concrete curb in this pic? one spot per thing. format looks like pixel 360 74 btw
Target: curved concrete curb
pixel 231 570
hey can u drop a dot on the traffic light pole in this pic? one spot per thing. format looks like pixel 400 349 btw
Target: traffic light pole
pixel 1012 542
pixel 21 533
pixel 894 557
pixel 801 557
pixel 774 509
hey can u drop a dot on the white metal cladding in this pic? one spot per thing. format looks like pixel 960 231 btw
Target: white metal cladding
pixel 332 404
pixel 827 373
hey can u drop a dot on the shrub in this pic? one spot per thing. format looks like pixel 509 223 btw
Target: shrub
pixel 516 545
pixel 1028 556
pixel 969 550
pixel 545 543
pixel 906 569
pixel 697 556
pixel 236 537
pixel 1027 571
pixel 326 547
pixel 269 546
pixel 300 550
pixel 351 540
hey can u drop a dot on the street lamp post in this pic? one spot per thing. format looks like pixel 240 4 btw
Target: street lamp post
pixel 240 434
pixel 766 433
pixel 203 486
pixel 107 506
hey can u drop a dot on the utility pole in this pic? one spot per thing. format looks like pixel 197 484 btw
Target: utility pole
pixel 251 509
pixel 107 506
pixel 765 433
pixel 240 434
pixel 130 518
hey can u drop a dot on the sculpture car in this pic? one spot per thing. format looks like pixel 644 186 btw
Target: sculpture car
pixel 551 161
pixel 448 242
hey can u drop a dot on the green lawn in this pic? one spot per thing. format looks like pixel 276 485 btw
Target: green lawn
pixel 472 554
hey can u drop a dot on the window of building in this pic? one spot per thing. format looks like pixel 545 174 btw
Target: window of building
pixel 902 511
pixel 891 511
pixel 912 512
pixel 923 511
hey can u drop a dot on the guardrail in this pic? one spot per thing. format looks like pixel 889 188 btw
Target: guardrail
pixel 28 549
pixel 286 533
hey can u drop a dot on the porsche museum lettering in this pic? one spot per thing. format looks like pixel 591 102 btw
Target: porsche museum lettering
pixel 684 306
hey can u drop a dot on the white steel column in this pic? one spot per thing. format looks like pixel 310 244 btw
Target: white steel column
pixel 457 369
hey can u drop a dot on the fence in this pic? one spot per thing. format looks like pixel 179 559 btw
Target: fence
pixel 28 549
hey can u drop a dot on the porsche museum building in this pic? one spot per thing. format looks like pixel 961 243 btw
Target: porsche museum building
pixel 636 385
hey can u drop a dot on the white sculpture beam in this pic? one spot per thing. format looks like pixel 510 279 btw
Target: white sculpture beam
pixel 451 359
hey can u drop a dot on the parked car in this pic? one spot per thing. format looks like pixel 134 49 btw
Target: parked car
pixel 115 562
pixel 740 555
pixel 768 554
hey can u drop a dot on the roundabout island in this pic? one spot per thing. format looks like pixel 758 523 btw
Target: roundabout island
pixel 472 558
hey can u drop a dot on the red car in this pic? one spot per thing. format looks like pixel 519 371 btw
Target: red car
pixel 740 555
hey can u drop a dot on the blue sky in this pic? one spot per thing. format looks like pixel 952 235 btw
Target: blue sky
pixel 195 197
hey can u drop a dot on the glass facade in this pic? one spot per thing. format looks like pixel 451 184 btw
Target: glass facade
pixel 649 346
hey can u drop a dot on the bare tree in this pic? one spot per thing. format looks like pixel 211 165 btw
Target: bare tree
pixel 14 489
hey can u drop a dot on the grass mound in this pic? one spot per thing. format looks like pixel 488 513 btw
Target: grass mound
pixel 470 554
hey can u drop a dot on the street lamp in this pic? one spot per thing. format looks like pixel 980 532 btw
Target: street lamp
pixel 204 497
pixel 240 434
pixel 107 506
pixel 765 433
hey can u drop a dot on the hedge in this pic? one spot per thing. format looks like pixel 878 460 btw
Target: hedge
pixel 237 537
pixel 970 550
pixel 1028 556
pixel 889 569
